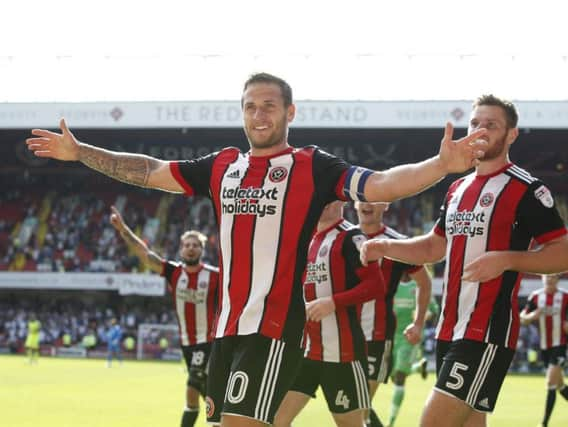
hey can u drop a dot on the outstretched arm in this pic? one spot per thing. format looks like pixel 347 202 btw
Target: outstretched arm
pixel 147 256
pixel 405 180
pixel 136 169
pixel 426 249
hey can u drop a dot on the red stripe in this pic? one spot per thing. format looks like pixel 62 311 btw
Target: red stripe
pixel 338 282
pixel 548 320
pixel 174 169
pixel 498 239
pixel 298 199
pixel 563 318
pixel 213 285
pixel 313 329
pixel 381 307
pixel 190 309
pixel 173 285
pixel 455 261
pixel 551 235
pixel 241 259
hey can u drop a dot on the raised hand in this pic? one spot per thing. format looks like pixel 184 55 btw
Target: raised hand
pixel 413 333
pixel 116 219
pixel 461 154
pixel 60 146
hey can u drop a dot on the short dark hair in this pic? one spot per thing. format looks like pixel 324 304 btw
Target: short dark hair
pixel 511 113
pixel 285 88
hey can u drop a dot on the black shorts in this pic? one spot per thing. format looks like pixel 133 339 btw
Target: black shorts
pixel 344 385
pixel 249 375
pixel 196 358
pixel 379 360
pixel 554 356
pixel 472 371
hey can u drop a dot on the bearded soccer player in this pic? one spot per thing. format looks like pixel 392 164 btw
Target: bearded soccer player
pixel 485 228
pixel 549 306
pixel 335 284
pixel 193 286
pixel 377 317
pixel 267 203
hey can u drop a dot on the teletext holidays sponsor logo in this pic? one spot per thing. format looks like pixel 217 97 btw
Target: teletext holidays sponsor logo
pixel 316 273
pixel 465 223
pixel 248 201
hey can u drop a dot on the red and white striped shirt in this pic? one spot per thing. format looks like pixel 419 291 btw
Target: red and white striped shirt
pixel 554 312
pixel 497 212
pixel 194 297
pixel 334 269
pixel 377 316
pixel 267 209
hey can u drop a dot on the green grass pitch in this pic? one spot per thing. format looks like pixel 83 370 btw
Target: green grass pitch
pixel 72 392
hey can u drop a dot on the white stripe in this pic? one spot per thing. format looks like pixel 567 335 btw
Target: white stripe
pixel 269 380
pixel 556 319
pixel 357 386
pixel 522 174
pixel 330 341
pixel 383 370
pixel 366 401
pixel 265 249
pixel 541 303
pixel 481 374
pixel 354 184
pixel 279 356
pixel 368 319
pixel 225 240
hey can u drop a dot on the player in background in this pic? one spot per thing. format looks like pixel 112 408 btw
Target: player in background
pixel 114 341
pixel 487 222
pixel 267 203
pixel 335 284
pixel 377 317
pixel 405 354
pixel 193 286
pixel 32 339
pixel 549 306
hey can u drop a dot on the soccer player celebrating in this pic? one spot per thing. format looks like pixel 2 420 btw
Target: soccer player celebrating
pixel 377 316
pixel 32 339
pixel 549 306
pixel 267 203
pixel 486 224
pixel 114 338
pixel 335 283
pixel 193 286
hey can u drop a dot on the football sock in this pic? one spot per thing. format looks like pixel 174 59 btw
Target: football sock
pixel 397 398
pixel 189 417
pixel 550 399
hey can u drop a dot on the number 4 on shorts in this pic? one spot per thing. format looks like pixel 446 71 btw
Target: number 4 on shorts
pixel 341 399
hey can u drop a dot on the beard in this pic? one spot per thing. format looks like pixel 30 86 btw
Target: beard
pixel 191 261
pixel 496 150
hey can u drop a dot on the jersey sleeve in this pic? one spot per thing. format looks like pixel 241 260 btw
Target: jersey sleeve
pixel 329 175
pixel 169 271
pixel 371 283
pixel 194 175
pixel 537 214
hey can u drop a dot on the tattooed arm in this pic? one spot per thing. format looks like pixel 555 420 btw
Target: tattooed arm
pixel 136 169
pixel 147 256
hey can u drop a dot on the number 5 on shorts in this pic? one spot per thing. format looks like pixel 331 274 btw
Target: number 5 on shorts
pixel 455 375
